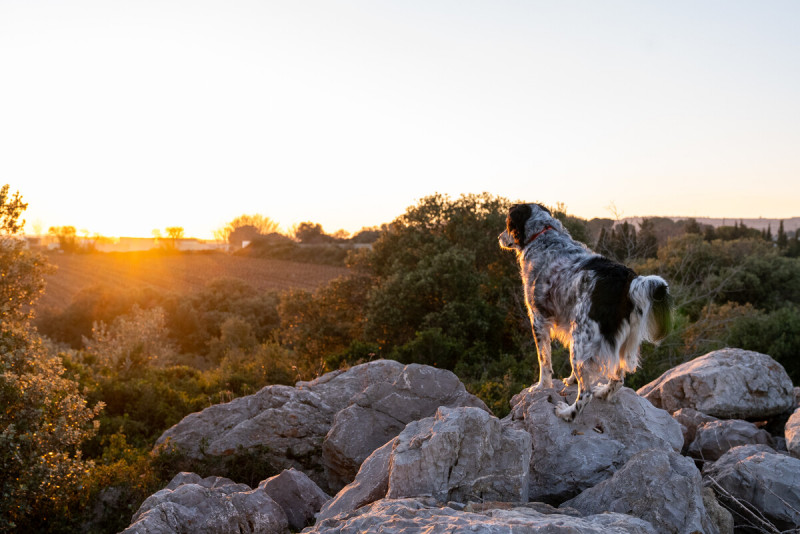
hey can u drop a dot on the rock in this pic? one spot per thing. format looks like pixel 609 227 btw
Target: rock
pixel 715 438
pixel 292 424
pixel 389 516
pixel 297 494
pixel 460 454
pixel 690 419
pixel 190 504
pixel 571 457
pixel 371 484
pixel 792 433
pixel 289 423
pixel 765 479
pixel 718 515
pixel 727 383
pixel 661 487
pixel 382 410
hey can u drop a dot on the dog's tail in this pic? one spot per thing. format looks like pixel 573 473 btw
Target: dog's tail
pixel 651 295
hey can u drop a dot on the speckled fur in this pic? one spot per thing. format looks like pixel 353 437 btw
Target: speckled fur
pixel 561 282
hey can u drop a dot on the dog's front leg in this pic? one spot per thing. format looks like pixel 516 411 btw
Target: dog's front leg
pixel 568 412
pixel 541 335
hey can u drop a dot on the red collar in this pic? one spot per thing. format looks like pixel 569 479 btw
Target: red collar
pixel 534 236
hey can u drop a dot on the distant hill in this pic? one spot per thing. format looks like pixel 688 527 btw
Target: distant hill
pixel 789 225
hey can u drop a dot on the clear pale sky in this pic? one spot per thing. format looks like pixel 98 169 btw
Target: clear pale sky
pixel 120 117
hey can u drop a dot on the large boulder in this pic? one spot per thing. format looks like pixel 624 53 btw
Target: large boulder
pixel 297 495
pixel 715 438
pixel 381 411
pixel 390 516
pixel 291 425
pixel 767 480
pixel 727 383
pixel 194 505
pixel 571 457
pixel 460 454
pixel 661 487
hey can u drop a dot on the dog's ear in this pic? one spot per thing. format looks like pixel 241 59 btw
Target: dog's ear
pixel 518 216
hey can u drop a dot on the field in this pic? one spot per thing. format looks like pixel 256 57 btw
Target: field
pixel 179 273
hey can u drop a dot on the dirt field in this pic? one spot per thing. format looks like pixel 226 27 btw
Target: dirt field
pixel 177 273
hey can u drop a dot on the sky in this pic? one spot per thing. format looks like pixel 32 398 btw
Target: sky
pixel 121 117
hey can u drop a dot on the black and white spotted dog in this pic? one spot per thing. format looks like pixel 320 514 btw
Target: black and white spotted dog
pixel 598 308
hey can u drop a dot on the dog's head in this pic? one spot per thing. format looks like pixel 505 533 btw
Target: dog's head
pixel 525 221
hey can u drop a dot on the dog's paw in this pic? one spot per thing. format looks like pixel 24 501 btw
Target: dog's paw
pixel 541 385
pixel 571 380
pixel 565 412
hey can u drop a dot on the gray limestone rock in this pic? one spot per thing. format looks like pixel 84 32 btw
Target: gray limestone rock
pixel 571 457
pixel 727 383
pixel 390 516
pixel 379 412
pixel 715 438
pixel 690 420
pixel 193 505
pixel 371 484
pixel 297 495
pixel 765 479
pixel 460 454
pixel 661 487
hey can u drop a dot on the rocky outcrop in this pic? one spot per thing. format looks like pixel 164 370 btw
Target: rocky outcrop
pixel 757 476
pixel 661 487
pixel 297 495
pixel 194 505
pixel 727 383
pixel 571 457
pixel 419 453
pixel 310 427
pixel 427 515
pixel 715 438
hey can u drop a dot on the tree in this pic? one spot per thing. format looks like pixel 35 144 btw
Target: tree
pixel 44 417
pixel 783 239
pixel 67 237
pixel 174 233
pixel 309 232
pixel 262 225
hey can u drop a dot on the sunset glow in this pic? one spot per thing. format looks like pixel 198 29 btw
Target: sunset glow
pixel 119 118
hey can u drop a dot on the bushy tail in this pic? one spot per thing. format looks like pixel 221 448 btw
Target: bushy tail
pixel 651 295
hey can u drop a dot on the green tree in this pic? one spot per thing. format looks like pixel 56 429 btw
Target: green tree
pixel 43 418
pixel 783 239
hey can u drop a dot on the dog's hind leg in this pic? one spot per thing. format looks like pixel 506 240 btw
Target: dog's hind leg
pixel 569 412
pixel 541 335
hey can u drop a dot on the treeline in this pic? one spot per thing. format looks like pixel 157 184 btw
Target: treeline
pixel 434 288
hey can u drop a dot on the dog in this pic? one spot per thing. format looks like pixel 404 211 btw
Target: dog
pixel 598 308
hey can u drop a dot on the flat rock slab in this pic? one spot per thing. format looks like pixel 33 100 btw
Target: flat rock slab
pixel 390 516
pixel 727 383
